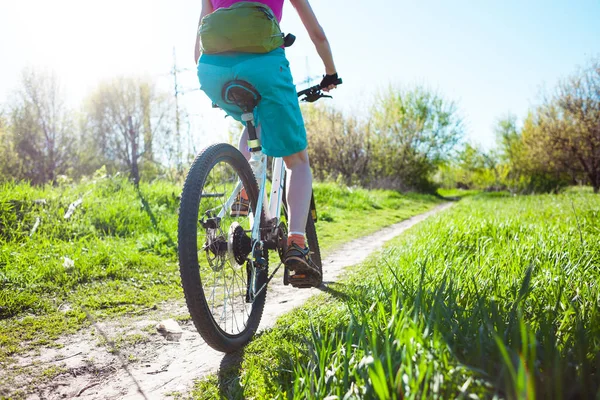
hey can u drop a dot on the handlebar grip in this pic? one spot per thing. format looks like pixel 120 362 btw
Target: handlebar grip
pixel 338 82
pixel 317 88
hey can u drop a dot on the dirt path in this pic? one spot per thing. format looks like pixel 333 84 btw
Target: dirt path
pixel 148 366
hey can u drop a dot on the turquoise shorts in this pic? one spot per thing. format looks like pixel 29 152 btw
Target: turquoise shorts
pixel 278 113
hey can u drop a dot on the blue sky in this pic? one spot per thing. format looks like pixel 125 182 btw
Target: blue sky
pixel 490 57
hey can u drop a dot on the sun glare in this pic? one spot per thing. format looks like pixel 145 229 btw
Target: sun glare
pixel 85 41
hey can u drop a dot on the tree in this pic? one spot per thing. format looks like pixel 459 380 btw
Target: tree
pixel 512 159
pixel 415 131
pixel 9 161
pixel 338 145
pixel 473 162
pixel 567 126
pixel 42 128
pixel 508 137
pixel 472 167
pixel 128 116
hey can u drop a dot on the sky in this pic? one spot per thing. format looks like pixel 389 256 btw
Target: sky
pixel 491 57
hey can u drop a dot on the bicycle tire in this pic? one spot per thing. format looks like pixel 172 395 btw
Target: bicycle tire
pixel 313 245
pixel 189 266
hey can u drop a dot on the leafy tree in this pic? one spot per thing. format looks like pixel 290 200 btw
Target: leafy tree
pixel 128 118
pixel 511 153
pixel 535 163
pixel 565 130
pixel 518 162
pixel 415 131
pixel 42 128
pixel 338 145
pixel 476 166
pixel 9 161
pixel 508 138
pixel 472 168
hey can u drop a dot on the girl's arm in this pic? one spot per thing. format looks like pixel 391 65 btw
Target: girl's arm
pixel 207 8
pixel 316 33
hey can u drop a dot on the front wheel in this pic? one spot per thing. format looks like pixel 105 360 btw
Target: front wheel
pixel 213 244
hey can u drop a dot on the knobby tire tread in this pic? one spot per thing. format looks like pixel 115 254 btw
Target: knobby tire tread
pixel 188 248
pixel 313 245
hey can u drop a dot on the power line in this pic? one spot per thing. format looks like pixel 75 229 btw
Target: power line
pixel 308 79
pixel 177 124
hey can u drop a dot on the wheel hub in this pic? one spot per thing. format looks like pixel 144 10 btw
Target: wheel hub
pixel 239 245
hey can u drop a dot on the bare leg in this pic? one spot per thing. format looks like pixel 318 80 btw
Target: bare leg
pixel 299 190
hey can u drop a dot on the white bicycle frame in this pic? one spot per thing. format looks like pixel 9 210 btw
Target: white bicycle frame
pixel 258 163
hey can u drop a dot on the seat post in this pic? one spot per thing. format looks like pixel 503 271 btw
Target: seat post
pixel 246 97
pixel 253 141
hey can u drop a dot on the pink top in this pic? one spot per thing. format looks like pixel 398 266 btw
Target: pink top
pixel 275 5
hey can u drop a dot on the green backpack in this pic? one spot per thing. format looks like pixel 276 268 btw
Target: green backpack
pixel 247 27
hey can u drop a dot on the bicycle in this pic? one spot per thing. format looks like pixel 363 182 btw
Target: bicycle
pixel 236 247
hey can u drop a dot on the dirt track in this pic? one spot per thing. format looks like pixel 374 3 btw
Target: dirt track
pixel 146 365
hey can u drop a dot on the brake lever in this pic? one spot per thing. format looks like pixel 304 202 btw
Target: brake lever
pixel 314 96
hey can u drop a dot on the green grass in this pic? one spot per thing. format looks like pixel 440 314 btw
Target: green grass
pixel 116 254
pixel 496 298
pixel 348 213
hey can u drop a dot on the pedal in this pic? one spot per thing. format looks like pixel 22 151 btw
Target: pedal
pixel 304 280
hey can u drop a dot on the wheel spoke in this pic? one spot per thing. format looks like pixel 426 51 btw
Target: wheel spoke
pixel 220 239
pixel 227 294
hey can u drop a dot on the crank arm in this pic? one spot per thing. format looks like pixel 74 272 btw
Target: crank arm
pixel 266 283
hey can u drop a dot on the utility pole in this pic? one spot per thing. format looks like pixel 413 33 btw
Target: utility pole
pixel 133 140
pixel 177 121
pixel 178 115
pixel 309 78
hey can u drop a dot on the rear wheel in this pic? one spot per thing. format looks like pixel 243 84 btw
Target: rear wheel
pixel 213 243
pixel 313 245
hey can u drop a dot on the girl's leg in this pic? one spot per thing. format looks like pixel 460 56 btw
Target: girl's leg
pixel 299 191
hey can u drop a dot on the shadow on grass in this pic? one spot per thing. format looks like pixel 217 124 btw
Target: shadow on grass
pixel 172 245
pixel 331 288
pixel 229 376
pixel 448 198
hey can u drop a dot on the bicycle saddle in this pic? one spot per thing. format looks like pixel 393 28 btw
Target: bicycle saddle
pixel 242 94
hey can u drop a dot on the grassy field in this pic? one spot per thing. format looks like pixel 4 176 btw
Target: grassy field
pixel 116 251
pixel 496 298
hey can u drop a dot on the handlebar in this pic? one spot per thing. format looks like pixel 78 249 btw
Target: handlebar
pixel 314 93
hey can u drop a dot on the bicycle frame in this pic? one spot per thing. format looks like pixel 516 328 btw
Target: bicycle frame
pixel 258 163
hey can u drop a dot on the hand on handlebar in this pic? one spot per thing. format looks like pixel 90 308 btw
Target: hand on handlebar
pixel 315 93
pixel 329 82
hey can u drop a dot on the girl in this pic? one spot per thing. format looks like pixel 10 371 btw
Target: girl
pixel 281 127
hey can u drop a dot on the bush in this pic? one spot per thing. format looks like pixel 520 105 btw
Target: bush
pixel 410 133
